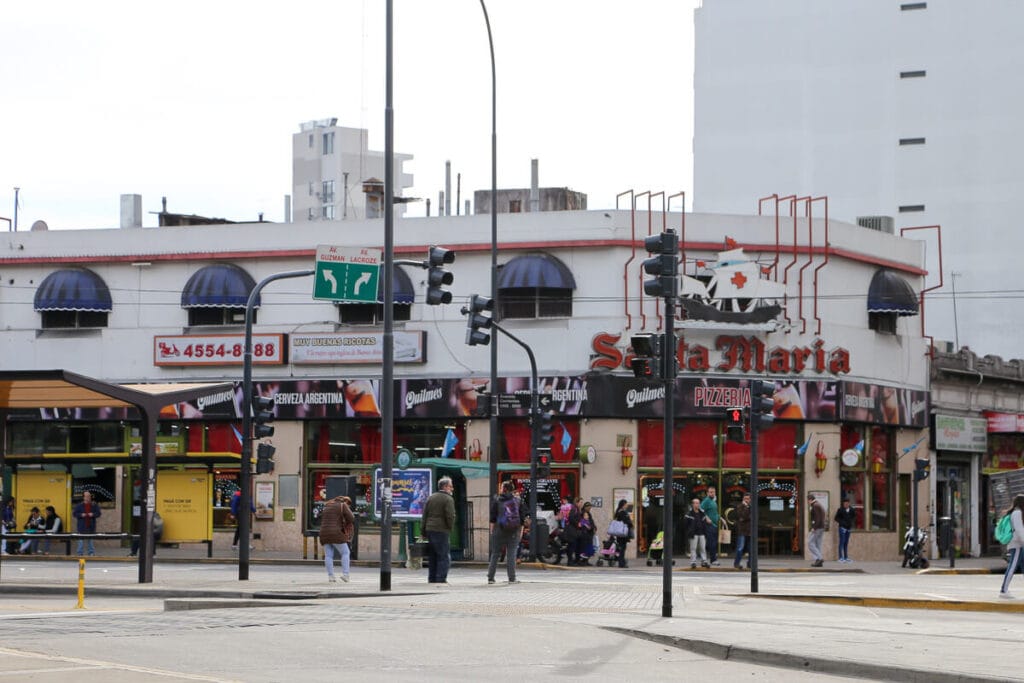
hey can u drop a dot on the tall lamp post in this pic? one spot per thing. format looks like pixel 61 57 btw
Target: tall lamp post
pixel 493 455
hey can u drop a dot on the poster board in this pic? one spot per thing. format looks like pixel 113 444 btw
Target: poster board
pixel 264 500
pixel 183 500
pixel 39 489
pixel 409 492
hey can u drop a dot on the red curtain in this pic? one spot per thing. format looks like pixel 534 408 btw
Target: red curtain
pixel 323 443
pixel 223 437
pixel 692 445
pixel 196 431
pixel 517 440
pixel 369 442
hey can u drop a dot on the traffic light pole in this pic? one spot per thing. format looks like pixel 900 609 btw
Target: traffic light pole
pixel 534 435
pixel 244 473
pixel 755 431
pixel 668 373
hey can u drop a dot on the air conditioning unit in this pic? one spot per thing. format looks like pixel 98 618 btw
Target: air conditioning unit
pixel 884 224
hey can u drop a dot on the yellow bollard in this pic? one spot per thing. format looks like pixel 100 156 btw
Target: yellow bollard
pixel 81 585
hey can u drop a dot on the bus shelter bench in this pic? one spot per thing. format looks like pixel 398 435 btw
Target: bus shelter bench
pixel 67 538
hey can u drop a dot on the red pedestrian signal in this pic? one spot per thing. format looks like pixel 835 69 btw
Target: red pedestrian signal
pixel 735 416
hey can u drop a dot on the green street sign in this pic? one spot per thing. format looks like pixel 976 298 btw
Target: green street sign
pixel 346 273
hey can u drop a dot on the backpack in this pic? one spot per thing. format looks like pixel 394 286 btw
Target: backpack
pixel 508 514
pixel 1004 530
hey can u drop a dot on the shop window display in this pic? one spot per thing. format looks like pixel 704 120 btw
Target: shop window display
pixel 869 482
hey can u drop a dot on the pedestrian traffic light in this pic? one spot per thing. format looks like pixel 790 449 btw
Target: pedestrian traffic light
pixel 437 276
pixel 544 429
pixel 762 404
pixel 263 415
pixel 664 265
pixel 734 424
pixel 265 458
pixel 476 321
pixel 543 465
pixel 647 361
pixel 922 468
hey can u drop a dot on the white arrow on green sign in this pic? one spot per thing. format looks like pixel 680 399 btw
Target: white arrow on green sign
pixel 346 273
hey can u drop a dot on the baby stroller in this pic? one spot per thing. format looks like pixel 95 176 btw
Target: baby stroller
pixel 609 552
pixel 656 550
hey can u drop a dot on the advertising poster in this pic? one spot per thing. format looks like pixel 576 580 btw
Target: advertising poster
pixel 183 500
pixel 39 489
pixel 409 490
pixel 264 500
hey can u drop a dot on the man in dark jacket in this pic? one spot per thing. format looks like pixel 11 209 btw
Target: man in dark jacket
pixel 845 517
pixel 86 512
pixel 337 523
pixel 696 524
pixel 438 522
pixel 817 531
pixel 742 532
pixel 507 515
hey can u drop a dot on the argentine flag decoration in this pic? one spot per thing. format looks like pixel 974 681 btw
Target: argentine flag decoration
pixel 803 449
pixel 450 442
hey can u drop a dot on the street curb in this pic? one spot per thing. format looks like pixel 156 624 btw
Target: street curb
pixel 901 603
pixel 198 594
pixel 866 670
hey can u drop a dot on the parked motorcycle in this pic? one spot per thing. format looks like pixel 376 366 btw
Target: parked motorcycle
pixel 914 543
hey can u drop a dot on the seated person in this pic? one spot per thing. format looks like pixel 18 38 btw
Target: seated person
pixel 34 525
pixel 52 525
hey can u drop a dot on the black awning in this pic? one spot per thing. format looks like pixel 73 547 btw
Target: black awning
pixel 73 289
pixel 541 271
pixel 890 293
pixel 401 285
pixel 222 285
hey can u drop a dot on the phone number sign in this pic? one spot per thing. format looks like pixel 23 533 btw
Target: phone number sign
pixel 223 349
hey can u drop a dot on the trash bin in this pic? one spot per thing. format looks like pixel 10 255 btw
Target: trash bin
pixel 945 535
pixel 543 532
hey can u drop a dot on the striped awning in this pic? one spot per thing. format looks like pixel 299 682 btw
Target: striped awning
pixel 73 289
pixel 890 293
pixel 401 285
pixel 221 285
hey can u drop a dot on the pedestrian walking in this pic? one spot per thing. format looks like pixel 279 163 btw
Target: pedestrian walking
pixel 817 531
pixel 1016 545
pixel 8 525
pixel 86 512
pixel 507 515
pixel 336 525
pixel 741 535
pixel 710 507
pixel 236 505
pixel 571 532
pixel 845 518
pixel 623 514
pixel 695 523
pixel 438 522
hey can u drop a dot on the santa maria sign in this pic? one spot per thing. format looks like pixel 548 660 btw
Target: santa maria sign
pixel 733 353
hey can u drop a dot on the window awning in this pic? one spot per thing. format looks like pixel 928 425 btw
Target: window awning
pixel 73 289
pixel 222 285
pixel 401 286
pixel 541 271
pixel 890 293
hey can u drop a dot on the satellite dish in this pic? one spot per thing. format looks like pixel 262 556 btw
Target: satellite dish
pixel 39 225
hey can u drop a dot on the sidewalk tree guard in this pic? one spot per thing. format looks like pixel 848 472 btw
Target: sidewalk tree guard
pixel 21 389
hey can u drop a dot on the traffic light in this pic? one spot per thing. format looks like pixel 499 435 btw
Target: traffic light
pixel 438 276
pixel 664 265
pixel 762 404
pixel 544 430
pixel 647 361
pixel 734 424
pixel 263 415
pixel 476 321
pixel 922 468
pixel 265 458
pixel 544 465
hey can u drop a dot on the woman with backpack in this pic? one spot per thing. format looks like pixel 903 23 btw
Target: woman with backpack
pixel 507 514
pixel 1015 547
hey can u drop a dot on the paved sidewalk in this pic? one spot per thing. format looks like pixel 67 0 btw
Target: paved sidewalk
pixel 838 620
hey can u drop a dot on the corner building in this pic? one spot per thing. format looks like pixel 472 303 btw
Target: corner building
pixel 827 310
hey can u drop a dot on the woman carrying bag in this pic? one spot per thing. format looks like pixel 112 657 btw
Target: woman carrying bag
pixel 622 514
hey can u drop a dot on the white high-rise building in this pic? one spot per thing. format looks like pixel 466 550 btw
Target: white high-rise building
pixel 908 110
pixel 335 176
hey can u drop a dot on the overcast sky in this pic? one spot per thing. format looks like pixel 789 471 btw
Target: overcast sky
pixel 198 101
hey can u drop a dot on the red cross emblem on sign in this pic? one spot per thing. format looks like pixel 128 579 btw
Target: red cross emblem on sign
pixel 739 279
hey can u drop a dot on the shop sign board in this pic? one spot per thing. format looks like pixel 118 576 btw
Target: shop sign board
pixel 219 349
pixel 955 433
pixel 346 273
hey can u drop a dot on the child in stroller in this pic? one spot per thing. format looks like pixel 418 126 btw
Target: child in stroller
pixel 656 550
pixel 609 552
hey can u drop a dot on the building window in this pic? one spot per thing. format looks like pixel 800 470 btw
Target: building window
pixel 311 141
pixel 327 212
pixel 310 214
pixel 327 192
pixel 913 74
pixel 53 320
pixel 911 141
pixel 913 5
pixel 515 206
pixel 869 484
pixel 371 314
pixel 328 143
pixel 208 315
pixel 911 208
pixel 535 302
pixel 310 188
pixel 883 323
